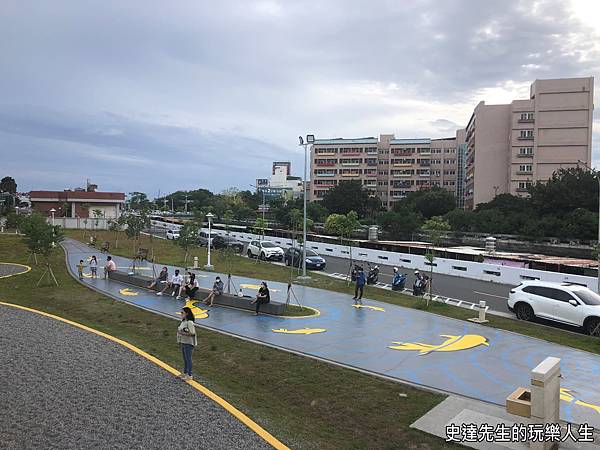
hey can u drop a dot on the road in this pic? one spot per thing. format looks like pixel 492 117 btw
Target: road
pixel 495 294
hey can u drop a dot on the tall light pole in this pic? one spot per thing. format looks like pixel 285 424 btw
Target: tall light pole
pixel 597 175
pixel 208 265
pixel 310 139
pixel 52 211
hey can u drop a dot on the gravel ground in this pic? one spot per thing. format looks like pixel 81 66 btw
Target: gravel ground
pixel 10 269
pixel 62 387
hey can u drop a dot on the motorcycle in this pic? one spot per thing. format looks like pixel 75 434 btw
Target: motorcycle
pixel 420 286
pixel 354 272
pixel 373 275
pixel 399 282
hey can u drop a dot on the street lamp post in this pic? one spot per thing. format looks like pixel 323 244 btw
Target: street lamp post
pixel 209 216
pixel 310 139
pixel 595 172
pixel 264 204
pixel 52 211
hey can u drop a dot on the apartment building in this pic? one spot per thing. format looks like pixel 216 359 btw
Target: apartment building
pixel 509 147
pixel 387 167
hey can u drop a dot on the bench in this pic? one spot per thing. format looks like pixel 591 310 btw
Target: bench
pixel 274 308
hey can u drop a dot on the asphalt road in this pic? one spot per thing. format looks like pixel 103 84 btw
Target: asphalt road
pixel 495 294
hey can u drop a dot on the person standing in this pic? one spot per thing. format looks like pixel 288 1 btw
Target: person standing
pixel 186 338
pixel 94 266
pixel 110 266
pixel 80 267
pixel 361 279
pixel 263 296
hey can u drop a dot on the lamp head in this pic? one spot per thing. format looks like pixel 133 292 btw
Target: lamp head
pixel 310 138
pixel 301 140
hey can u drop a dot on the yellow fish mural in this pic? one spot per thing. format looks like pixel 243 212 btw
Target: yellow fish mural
pixel 87 275
pixel 300 331
pixel 374 308
pixel 128 292
pixel 566 396
pixel 198 313
pixel 451 344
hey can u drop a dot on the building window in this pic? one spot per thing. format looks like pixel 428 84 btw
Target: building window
pixel 449 172
pixel 526 134
pixel 450 150
pixel 526 117
pixel 525 168
pixel 526 151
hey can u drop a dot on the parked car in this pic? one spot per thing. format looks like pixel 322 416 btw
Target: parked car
pixel 264 250
pixel 203 239
pixel 173 234
pixel 227 242
pixel 561 302
pixel 314 261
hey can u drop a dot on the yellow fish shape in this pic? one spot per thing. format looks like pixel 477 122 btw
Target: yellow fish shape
pixel 198 313
pixel 87 275
pixel 567 397
pixel 374 308
pixel 128 292
pixel 451 344
pixel 300 331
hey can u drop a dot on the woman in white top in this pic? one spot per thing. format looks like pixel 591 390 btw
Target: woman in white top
pixel 190 287
pixel 186 338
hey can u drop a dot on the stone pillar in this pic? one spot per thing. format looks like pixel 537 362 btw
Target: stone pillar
pixel 73 209
pixel 545 397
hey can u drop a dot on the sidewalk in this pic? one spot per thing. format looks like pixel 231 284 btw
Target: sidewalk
pixel 407 345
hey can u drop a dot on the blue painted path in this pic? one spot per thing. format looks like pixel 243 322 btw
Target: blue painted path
pixel 361 338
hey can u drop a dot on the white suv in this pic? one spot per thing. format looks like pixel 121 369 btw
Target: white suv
pixel 265 250
pixel 562 302
pixel 173 234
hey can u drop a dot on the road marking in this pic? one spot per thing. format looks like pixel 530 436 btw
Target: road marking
pixel 300 331
pixel 491 295
pixel 27 269
pixel 200 388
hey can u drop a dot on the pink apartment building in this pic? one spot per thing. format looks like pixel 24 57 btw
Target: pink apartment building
pixel 387 167
pixel 511 146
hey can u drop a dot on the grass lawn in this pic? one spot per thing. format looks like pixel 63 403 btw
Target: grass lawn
pixel 169 253
pixel 303 402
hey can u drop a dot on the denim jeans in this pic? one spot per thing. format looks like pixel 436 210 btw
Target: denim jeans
pixel 187 350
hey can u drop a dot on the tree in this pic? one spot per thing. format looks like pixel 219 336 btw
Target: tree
pixel 259 226
pixel 460 220
pixel 188 236
pixel 432 202
pixel 117 225
pixel 434 227
pixel 135 225
pixel 15 221
pixel 400 223
pixel 316 211
pixel 343 225
pixel 138 201
pixel 41 238
pixel 8 184
pixel 345 197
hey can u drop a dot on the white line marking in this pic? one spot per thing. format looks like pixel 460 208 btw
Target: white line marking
pixel 491 295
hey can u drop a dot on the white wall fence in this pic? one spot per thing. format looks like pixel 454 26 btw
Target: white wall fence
pixel 81 223
pixel 467 269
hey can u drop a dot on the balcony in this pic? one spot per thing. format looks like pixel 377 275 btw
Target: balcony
pixel 524 172
pixel 425 153
pixel 374 174
pixel 402 164
pixel 525 138
pixel 520 189
pixel 526 121
pixel 326 154
pixel 524 155
pixel 404 175
pixel 324 164
pixel 397 153
pixel 346 163
pixel 372 152
pixel 424 164
pixel 350 174
pixel 372 163
pixel 425 174
pixel 350 153
pixel 326 174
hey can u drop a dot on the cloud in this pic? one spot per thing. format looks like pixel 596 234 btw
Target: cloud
pixel 206 86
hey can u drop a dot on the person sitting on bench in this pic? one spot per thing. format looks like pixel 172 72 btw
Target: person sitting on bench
pixel 174 284
pixel 162 278
pixel 190 287
pixel 110 266
pixel 217 290
pixel 263 297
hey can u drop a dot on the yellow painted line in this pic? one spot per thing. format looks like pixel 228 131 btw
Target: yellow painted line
pixel 27 269
pixel 264 434
pixel 316 313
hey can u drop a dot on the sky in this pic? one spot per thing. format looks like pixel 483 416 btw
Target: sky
pixel 158 96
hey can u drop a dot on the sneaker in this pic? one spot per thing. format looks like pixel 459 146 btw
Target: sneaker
pixel 177 298
pixel 255 314
pixel 159 293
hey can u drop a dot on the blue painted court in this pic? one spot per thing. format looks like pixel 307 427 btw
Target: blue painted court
pixel 404 344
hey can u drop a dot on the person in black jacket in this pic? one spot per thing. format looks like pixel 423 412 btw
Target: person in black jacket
pixel 263 297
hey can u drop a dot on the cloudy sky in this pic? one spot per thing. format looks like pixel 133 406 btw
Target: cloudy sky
pixel 157 95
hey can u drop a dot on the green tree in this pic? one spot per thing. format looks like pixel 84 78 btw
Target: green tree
pixel 343 226
pixel 135 224
pixel 188 236
pixel 138 201
pixel 400 223
pixel 460 220
pixel 8 184
pixel 116 226
pixel 435 227
pixel 42 238
pixel 345 197
pixel 317 212
pixel 259 226
pixel 15 221
pixel 431 202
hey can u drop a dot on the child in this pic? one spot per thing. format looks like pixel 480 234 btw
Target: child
pixel 80 267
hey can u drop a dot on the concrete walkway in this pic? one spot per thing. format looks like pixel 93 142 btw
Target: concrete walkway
pixel 403 344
